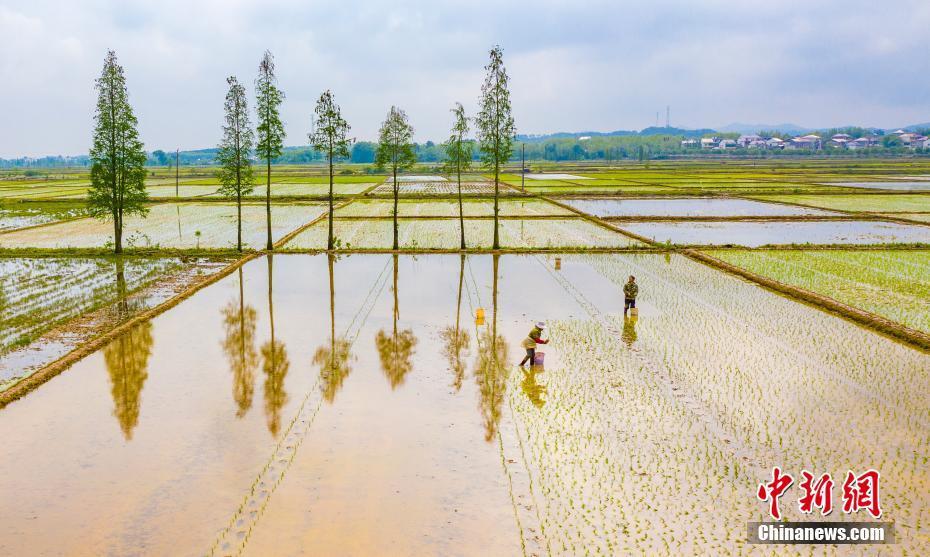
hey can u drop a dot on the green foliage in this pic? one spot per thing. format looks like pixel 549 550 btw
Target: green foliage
pixel 331 134
pixel 268 99
pixel 117 157
pixel 235 149
pixel 330 137
pixel 395 150
pixel 395 145
pixel 458 158
pixel 496 129
pixel 457 149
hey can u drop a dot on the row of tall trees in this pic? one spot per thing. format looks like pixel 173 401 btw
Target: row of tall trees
pixel 118 156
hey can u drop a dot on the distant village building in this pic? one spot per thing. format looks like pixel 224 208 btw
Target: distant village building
pixel 775 143
pixel 810 141
pixel 689 143
pixel 862 142
pixel 709 142
pixel 727 144
pixel 747 140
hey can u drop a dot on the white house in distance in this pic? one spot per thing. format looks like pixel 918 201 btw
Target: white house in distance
pixel 862 142
pixel 810 141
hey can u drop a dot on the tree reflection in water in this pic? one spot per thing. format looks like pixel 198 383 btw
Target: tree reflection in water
pixel 127 358
pixel 491 368
pixel 275 364
pixel 396 349
pixel 239 322
pixel 333 359
pixel 455 341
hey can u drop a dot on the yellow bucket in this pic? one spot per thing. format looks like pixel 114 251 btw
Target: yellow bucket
pixel 479 313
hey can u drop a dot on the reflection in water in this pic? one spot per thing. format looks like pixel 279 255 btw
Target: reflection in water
pixel 333 359
pixel 628 336
pixel 533 390
pixel 127 360
pixel 456 341
pixel 492 369
pixel 275 365
pixel 396 349
pixel 239 321
pixel 122 305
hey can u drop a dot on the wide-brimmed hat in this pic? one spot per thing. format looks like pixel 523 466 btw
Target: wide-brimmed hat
pixel 541 324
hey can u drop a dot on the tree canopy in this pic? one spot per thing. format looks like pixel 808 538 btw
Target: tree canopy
pixel 117 156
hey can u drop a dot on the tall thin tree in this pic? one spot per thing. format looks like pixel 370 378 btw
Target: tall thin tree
pixel 270 129
pixel 458 158
pixel 395 149
pixel 496 129
pixel 117 172
pixel 235 151
pixel 330 137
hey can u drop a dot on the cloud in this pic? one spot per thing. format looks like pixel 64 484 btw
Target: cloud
pixel 597 65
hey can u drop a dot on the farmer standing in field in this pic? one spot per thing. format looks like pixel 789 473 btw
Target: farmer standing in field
pixel 530 342
pixel 630 290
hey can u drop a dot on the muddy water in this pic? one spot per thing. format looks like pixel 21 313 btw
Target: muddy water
pixel 309 415
pixel 247 419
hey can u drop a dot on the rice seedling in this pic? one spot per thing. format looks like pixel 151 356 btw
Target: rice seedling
pixel 23 215
pixel 873 203
pixel 893 284
pixel 171 225
pixel 755 234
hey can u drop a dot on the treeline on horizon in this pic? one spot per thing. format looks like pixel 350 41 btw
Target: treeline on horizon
pixel 554 149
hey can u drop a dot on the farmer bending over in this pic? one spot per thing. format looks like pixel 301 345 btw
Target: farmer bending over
pixel 531 341
pixel 630 290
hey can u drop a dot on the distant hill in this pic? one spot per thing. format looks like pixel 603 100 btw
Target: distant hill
pixel 652 130
pixel 915 127
pixel 791 129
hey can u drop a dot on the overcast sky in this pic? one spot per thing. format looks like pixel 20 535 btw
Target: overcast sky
pixel 574 65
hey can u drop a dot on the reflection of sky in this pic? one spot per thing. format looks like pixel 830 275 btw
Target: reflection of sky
pixel 752 234
pixel 688 208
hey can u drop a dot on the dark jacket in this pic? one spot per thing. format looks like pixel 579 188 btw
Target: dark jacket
pixel 630 290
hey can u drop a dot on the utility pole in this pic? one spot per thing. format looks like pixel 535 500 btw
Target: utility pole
pixel 523 169
pixel 667 110
pixel 177 171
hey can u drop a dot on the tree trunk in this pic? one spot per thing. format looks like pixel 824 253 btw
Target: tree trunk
pixel 497 244
pixel 270 245
pixel 395 208
pixel 461 210
pixel 239 217
pixel 329 244
pixel 117 236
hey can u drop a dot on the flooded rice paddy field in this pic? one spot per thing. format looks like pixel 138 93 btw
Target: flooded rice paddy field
pixel 51 305
pixel 356 406
pixel 437 187
pixel 172 225
pixel 442 208
pixel 690 207
pixel 445 234
pixel 23 215
pixel 755 234
pixel 867 203
pixel 895 186
pixel 891 283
